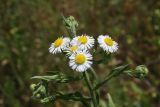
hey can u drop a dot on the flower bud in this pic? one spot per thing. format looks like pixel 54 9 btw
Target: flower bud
pixel 38 95
pixel 141 71
pixel 47 99
pixel 71 22
pixel 32 87
pixel 43 89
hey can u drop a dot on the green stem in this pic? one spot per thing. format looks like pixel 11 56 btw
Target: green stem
pixel 103 82
pixel 114 73
pixel 94 73
pixel 97 92
pixel 86 78
pixel 73 30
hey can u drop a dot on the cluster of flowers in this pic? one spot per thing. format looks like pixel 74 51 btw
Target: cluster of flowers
pixel 80 59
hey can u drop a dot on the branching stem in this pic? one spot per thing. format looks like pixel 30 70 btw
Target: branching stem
pixel 86 78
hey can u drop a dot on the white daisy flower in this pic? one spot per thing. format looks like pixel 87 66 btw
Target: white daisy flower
pixel 80 61
pixel 71 49
pixel 84 41
pixel 59 45
pixel 107 44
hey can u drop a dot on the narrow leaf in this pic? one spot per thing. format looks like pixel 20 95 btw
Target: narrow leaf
pixel 47 78
pixel 117 71
pixel 110 101
pixel 58 78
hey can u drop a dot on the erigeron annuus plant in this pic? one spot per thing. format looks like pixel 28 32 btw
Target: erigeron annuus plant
pixel 80 52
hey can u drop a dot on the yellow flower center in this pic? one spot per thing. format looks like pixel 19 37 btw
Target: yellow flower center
pixel 83 39
pixel 74 48
pixel 58 42
pixel 80 59
pixel 108 41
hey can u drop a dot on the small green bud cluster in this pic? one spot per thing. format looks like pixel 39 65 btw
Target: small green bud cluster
pixel 39 90
pixel 140 71
pixel 47 99
pixel 71 24
pixel 33 87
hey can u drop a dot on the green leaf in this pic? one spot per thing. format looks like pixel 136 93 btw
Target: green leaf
pixel 58 78
pixel 76 96
pixel 47 78
pixel 40 90
pixel 103 103
pixel 117 71
pixel 97 96
pixel 110 101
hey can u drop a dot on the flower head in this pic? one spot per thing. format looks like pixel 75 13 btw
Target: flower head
pixel 80 61
pixel 59 45
pixel 107 44
pixel 71 49
pixel 84 41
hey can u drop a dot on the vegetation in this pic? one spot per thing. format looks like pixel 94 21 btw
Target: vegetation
pixel 28 27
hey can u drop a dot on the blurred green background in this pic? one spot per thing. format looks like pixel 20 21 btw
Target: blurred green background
pixel 27 27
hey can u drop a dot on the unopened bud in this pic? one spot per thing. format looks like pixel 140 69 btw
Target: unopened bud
pixel 38 95
pixel 32 87
pixel 43 90
pixel 141 71
pixel 47 99
pixel 71 22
